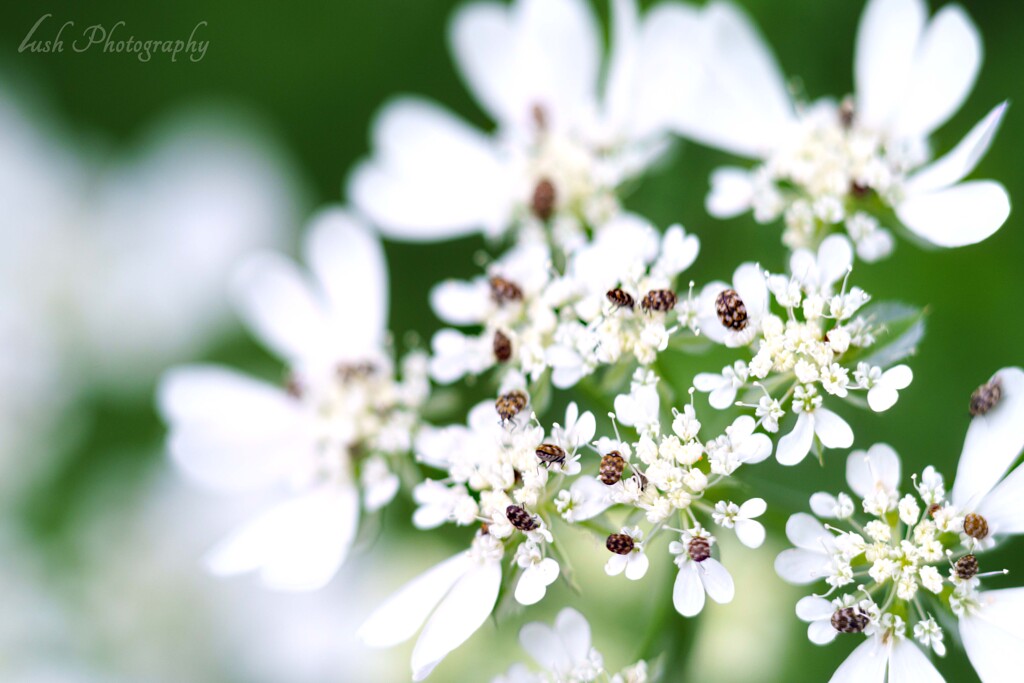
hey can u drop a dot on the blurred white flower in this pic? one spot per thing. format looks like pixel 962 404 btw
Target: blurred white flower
pixel 911 76
pixel 235 433
pixel 564 651
pixel 560 147
pixel 699 573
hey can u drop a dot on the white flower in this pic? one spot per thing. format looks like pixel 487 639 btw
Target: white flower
pixel 697 578
pixel 234 433
pixel 379 483
pixel 564 652
pixel 432 176
pixel 811 559
pixel 440 503
pixel 578 429
pixel 538 573
pixel 831 430
pixel 874 475
pixel 748 283
pixel 911 76
pixel 817 274
pixel 827 506
pixel 450 601
pixel 722 387
pixel 741 517
pixel 883 392
pixel 992 635
pixel 586 498
pixel 634 563
pixel 740 445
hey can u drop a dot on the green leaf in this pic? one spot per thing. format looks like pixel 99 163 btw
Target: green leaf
pixel 901 328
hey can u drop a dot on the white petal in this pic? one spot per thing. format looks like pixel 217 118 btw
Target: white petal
pixel 864 470
pixel 755 507
pixel 908 664
pixel 595 498
pixel 534 582
pixel 961 160
pixel 996 654
pixel 543 644
pixel 401 616
pixel 585 428
pixel 722 397
pixel 751 286
pixel 688 591
pixel 887 42
pixel 835 257
pixel 955 216
pixel 432 177
pixel 229 431
pixel 1003 507
pixel 756 448
pixel 866 664
pixel 462 611
pixel 750 533
pixel 821 632
pixel 637 566
pixel 804 531
pixel 533 53
pixel 732 192
pixel 833 430
pixel 615 565
pixel 574 632
pixel 281 306
pixel 708 381
pixel 744 104
pixel 813 608
pixel 795 446
pixel 993 442
pixel 347 258
pixel 296 546
pixel 823 504
pixel 717 580
pixel 945 67
pixel 801 566
pixel 678 252
pixel 458 302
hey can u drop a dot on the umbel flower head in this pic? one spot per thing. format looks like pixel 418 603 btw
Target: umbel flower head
pixel 325 439
pixel 918 555
pixel 829 165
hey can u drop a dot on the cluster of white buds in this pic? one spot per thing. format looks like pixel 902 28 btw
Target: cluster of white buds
pixel 815 347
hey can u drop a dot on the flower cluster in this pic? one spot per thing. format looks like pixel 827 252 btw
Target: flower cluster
pixel 613 300
pixel 582 294
pixel 828 166
pixel 816 349
pixel 893 562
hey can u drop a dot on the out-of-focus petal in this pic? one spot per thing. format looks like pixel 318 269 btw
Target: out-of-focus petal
pixel 956 216
pixel 887 42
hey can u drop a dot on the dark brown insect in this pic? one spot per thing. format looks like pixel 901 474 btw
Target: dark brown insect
pixel 620 544
pixel 847 113
pixel 975 526
pixel 550 454
pixel 986 397
pixel 503 290
pixel 612 464
pixel 966 567
pixel 621 298
pixel 352 371
pixel 662 300
pixel 699 549
pixel 511 404
pixel 543 202
pixel 850 620
pixel 520 518
pixel 502 346
pixel 731 310
pixel 932 509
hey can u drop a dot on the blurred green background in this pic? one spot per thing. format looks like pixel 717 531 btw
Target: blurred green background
pixel 315 72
